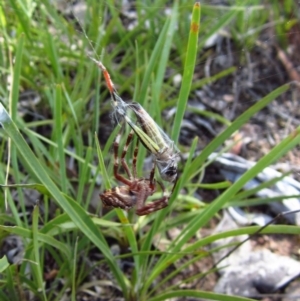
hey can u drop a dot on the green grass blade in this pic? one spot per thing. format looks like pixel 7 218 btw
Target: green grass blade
pixel 11 284
pixel 44 238
pixel 271 229
pixel 13 108
pixel 198 294
pixel 222 22
pixel 106 179
pixel 37 267
pixel 54 58
pixel 4 264
pixel 85 174
pixel 58 129
pixel 161 70
pixel 21 13
pixel 152 63
pixel 14 99
pixel 188 73
pixel 73 294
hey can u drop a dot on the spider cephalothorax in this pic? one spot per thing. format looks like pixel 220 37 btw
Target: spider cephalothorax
pixel 136 190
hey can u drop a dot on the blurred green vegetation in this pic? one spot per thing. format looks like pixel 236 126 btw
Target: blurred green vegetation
pixel 56 100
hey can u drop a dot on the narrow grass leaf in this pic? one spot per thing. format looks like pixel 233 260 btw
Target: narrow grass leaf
pixel 102 165
pixel 45 238
pixel 4 264
pixel 14 96
pixel 163 62
pixel 63 224
pixel 188 73
pixel 22 15
pixel 71 106
pixel 10 283
pixel 198 84
pixel 74 272
pixel 37 267
pixel 152 63
pixel 13 108
pixel 51 143
pixel 35 186
pixel 209 115
pixel 54 58
pixel 58 129
pixel 197 294
pixel 271 229
pixel 85 174
pixel 222 22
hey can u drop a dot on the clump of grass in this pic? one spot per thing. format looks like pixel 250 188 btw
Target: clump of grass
pixel 47 54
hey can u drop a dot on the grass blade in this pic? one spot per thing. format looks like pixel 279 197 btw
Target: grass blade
pixel 188 73
pixel 37 266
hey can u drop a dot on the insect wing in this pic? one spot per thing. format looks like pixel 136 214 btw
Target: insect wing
pixel 166 154
pixel 151 128
pixel 144 138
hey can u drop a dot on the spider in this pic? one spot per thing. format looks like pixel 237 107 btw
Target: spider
pixel 136 190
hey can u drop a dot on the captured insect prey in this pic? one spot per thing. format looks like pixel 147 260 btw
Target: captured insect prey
pixel 136 190
pixel 157 142
pixel 150 134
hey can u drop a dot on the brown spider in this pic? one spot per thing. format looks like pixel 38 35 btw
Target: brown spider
pixel 136 190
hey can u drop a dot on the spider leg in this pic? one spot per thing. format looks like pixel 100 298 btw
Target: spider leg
pixel 135 154
pixel 153 206
pixel 157 204
pixel 123 161
pixel 151 177
pixel 147 189
pixel 118 176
